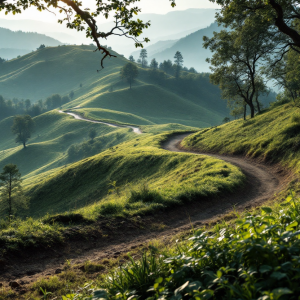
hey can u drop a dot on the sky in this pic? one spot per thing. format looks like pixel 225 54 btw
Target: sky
pixel 148 6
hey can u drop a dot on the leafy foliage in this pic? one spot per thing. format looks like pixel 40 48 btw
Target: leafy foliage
pixel 255 257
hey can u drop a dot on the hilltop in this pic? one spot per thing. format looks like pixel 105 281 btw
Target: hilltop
pixel 74 68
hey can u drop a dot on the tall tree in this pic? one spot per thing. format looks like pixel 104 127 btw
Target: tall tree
pixel 131 58
pixel 178 63
pixel 11 192
pixel 280 16
pixel 23 127
pixel 236 58
pixel 154 64
pixel 143 56
pixel 129 72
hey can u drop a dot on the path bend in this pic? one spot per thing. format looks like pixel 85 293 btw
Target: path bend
pixel 261 183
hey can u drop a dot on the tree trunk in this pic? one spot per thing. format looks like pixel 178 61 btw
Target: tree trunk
pixel 9 200
pixel 245 111
pixel 258 106
pixel 24 144
pixel 252 110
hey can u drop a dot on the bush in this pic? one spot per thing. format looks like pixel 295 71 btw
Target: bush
pixel 145 195
pixel 296 118
pixel 110 208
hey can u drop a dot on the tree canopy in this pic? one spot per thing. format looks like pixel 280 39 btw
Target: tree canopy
pixel 75 16
pixel 23 126
pixel 129 72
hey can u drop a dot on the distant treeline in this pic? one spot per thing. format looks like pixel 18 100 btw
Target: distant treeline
pixel 12 107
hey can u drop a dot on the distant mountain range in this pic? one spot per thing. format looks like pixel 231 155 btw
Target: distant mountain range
pixel 190 46
pixel 163 27
pixel 14 43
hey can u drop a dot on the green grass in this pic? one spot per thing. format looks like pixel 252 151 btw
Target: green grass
pixel 254 257
pixel 273 136
pixel 54 134
pixel 104 95
pixel 178 177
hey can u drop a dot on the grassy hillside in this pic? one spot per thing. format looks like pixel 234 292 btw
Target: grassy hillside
pixel 158 106
pixel 74 68
pixel 54 134
pixel 170 174
pixel 272 135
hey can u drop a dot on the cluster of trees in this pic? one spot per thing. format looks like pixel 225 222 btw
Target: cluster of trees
pixel 19 107
pixel 262 43
pixel 173 69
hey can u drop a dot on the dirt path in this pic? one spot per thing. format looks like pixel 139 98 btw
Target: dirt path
pixel 136 130
pixel 112 239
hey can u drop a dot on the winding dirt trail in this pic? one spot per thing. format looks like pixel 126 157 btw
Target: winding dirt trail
pixel 136 130
pixel 114 239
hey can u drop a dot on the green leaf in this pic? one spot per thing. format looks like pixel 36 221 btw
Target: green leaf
pixel 267 210
pixel 278 275
pixel 292 225
pixel 219 274
pixel 177 291
pixel 159 280
pixel 265 268
pixel 280 292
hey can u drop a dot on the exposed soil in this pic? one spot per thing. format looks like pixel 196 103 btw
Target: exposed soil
pixel 112 238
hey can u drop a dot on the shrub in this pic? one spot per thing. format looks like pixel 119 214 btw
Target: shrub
pixel 144 194
pixel 110 208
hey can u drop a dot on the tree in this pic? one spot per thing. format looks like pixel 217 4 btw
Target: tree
pixel 143 56
pixel 53 101
pixel 2 60
pixel 129 72
pixel 42 46
pixel 23 127
pixel 154 64
pixel 281 18
pixel 167 67
pixel 178 63
pixel 71 95
pixel 85 19
pixel 11 190
pixel 226 120
pixel 92 134
pixel 65 99
pixel 192 70
pixel 235 62
pixel 131 58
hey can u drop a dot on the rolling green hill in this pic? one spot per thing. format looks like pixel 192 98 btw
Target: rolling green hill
pixel 54 134
pixel 74 68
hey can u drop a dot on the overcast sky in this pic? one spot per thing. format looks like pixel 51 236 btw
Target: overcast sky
pixel 148 6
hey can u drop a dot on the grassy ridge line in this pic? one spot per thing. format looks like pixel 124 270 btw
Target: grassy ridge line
pixel 173 176
pixel 272 136
pixel 152 103
pixel 54 134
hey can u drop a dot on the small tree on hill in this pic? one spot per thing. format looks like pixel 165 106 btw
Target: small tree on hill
pixel 42 46
pixel 71 95
pixel 154 64
pixel 129 72
pixel 143 56
pixel 23 126
pixel 11 192
pixel 2 60
pixel 178 63
pixel 131 58
pixel 92 134
pixel 226 120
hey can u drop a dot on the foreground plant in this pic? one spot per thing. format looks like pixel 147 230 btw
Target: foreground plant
pixel 258 257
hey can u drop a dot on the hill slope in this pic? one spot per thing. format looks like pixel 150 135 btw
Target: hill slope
pixel 62 69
